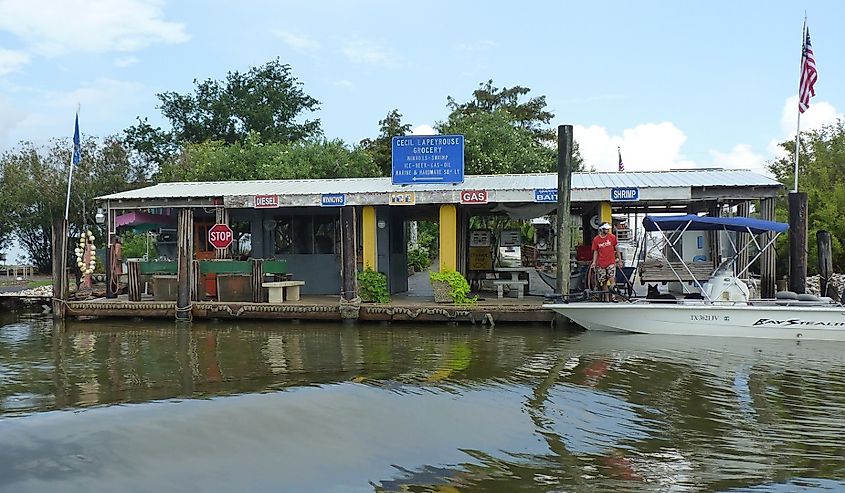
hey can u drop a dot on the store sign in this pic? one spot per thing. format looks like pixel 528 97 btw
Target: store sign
pixel 402 198
pixel 545 195
pixel 266 201
pixel 427 159
pixel 624 194
pixel 474 196
pixel 332 200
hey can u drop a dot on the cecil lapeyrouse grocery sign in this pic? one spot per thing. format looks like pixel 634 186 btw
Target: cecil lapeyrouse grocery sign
pixel 220 236
pixel 428 159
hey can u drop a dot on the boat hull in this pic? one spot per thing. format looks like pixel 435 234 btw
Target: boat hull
pixel 825 323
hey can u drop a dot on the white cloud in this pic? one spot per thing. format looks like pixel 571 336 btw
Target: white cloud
pixel 125 61
pixel 297 41
pixel 424 129
pixel 368 52
pixel 344 84
pixel 55 27
pixel 10 117
pixel 11 60
pixel 819 113
pixel 740 157
pixel 646 147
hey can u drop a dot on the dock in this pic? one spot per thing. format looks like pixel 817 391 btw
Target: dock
pixel 324 307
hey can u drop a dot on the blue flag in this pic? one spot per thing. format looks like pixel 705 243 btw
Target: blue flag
pixel 77 148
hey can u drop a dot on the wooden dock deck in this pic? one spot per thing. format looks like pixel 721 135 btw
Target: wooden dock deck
pixel 400 309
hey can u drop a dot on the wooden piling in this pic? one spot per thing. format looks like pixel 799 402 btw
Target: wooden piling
pixel 59 243
pixel 134 283
pixel 767 259
pixel 348 250
pixel 825 244
pixel 564 240
pixel 221 216
pixel 184 267
pixel 798 242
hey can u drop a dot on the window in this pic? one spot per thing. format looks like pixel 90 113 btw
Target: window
pixel 282 236
pixel 325 228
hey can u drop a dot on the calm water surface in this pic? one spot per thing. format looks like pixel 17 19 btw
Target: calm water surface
pixel 144 406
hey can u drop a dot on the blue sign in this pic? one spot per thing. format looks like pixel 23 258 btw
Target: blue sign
pixel 628 193
pixel 333 200
pixel 545 195
pixel 428 159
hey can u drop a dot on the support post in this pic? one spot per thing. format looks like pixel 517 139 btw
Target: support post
pixel 368 237
pixel 59 243
pixel 448 237
pixel 743 210
pixel 184 260
pixel 798 242
pixel 825 244
pixel 564 180
pixel 767 259
pixel 134 284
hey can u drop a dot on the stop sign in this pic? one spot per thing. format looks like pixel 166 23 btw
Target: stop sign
pixel 220 236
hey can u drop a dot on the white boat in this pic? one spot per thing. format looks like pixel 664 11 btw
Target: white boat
pixel 725 309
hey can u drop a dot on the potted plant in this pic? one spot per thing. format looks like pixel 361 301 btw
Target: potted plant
pixel 451 286
pixel 372 286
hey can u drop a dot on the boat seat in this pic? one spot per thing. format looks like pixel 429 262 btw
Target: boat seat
pixel 786 295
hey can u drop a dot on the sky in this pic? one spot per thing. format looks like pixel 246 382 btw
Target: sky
pixel 673 84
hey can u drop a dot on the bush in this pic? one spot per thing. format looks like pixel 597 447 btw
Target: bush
pixel 458 286
pixel 372 286
pixel 419 258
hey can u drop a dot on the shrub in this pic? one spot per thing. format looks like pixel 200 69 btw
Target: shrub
pixel 372 286
pixel 458 286
pixel 419 259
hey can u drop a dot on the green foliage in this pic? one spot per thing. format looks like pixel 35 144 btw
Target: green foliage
pixel 821 175
pixel 381 148
pixel 504 135
pixel 372 286
pixel 134 245
pixel 419 258
pixel 458 286
pixel 268 100
pixel 428 233
pixel 33 187
pixel 254 159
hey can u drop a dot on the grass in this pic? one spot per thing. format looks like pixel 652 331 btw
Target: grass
pixel 37 284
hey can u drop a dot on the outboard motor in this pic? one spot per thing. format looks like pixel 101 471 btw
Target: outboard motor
pixel 723 285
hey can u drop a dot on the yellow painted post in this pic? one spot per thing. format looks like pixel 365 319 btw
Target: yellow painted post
pixel 448 237
pixel 605 213
pixel 368 236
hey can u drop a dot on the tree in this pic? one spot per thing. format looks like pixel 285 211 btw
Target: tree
pixel 821 175
pixel 266 99
pixel 381 148
pixel 256 160
pixel 34 187
pixel 504 135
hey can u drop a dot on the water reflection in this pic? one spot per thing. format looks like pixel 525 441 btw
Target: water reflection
pixel 305 407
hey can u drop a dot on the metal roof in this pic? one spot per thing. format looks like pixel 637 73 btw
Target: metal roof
pixel 526 182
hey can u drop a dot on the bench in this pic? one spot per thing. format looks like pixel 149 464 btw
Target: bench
pixel 281 291
pixel 501 283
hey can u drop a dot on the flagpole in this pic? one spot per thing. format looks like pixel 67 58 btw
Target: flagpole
pixel 74 149
pixel 69 179
pixel 798 129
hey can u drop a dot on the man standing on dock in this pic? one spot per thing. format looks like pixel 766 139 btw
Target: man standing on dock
pixel 605 258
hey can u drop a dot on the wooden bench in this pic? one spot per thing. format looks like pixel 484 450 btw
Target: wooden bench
pixel 281 291
pixel 501 283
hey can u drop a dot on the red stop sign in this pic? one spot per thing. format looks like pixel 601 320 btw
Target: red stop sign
pixel 220 236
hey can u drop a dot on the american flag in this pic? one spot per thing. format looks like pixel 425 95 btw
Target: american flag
pixel 621 165
pixel 808 74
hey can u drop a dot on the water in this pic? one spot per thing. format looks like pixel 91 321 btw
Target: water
pixel 142 406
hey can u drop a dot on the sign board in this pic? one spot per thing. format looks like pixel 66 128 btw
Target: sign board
pixel 266 201
pixel 480 258
pixel 332 200
pixel 480 238
pixel 545 195
pixel 220 236
pixel 473 196
pixel 510 238
pixel 402 198
pixel 427 159
pixel 624 194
